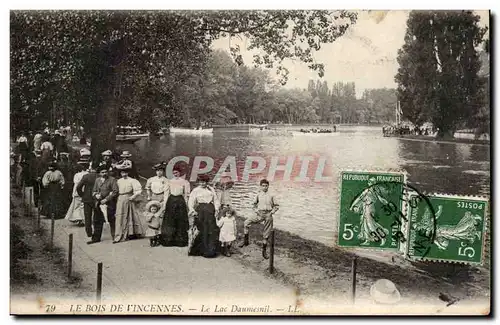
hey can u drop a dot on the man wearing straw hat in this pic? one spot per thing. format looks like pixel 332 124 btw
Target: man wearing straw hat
pixel 106 160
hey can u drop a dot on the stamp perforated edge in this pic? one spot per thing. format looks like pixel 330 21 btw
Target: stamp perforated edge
pixel 339 198
pixel 486 221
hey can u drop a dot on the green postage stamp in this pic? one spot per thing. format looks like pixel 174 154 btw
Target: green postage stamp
pixel 371 209
pixel 451 228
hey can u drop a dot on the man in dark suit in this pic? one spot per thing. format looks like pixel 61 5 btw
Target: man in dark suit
pixel 84 190
pixel 105 193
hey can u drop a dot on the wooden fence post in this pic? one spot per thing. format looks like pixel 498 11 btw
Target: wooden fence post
pixel 99 283
pixel 30 212
pixel 70 255
pixel 52 225
pixel 353 276
pixel 271 254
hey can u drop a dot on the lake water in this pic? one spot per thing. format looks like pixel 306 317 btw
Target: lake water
pixel 310 209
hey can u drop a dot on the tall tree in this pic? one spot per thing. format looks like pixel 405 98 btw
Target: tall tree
pixel 439 64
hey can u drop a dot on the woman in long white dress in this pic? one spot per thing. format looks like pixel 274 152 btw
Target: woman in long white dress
pixel 128 221
pixel 75 212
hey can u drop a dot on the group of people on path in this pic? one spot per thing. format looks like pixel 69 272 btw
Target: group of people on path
pixel 108 192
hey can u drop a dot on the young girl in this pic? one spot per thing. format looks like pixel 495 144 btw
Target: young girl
pixel 153 217
pixel 227 225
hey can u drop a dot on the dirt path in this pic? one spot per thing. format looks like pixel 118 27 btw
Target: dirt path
pixel 134 273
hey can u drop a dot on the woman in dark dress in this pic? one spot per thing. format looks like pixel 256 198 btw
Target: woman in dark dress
pixel 203 206
pixel 53 184
pixel 174 229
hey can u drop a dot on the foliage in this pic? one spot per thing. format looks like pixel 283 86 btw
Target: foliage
pixel 102 67
pixel 439 64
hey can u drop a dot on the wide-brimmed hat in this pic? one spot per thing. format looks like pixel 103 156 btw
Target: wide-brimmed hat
pixel 126 154
pixel 160 166
pixel 384 291
pixel 124 166
pixel 107 153
pixel 85 152
pixel 64 154
pixel 153 203
pixel 83 161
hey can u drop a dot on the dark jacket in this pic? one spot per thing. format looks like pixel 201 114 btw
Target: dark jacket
pixel 86 186
pixel 108 189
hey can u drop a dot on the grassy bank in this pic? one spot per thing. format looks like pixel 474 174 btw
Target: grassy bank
pixel 314 268
pixel 38 273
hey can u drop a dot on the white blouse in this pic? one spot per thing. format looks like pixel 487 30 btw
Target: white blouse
pixel 76 179
pixel 157 184
pixel 202 195
pixel 176 187
pixel 129 185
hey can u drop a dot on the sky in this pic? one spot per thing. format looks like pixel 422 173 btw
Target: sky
pixel 366 54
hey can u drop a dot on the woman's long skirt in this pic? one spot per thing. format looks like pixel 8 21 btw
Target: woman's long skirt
pixel 75 210
pixel 52 201
pixel 174 229
pixel 128 221
pixel 206 242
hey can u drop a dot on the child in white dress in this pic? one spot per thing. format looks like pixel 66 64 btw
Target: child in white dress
pixel 227 225
pixel 153 217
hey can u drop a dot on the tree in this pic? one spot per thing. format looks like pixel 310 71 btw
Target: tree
pixel 108 58
pixel 438 74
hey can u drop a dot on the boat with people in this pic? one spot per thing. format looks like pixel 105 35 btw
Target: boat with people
pixel 194 131
pixel 268 131
pixel 315 132
pixel 257 126
pixel 130 133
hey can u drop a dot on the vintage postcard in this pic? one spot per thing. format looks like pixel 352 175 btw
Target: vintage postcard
pixel 264 162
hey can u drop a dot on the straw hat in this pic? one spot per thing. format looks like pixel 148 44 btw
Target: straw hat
pixel 107 153
pixel 125 166
pixel 126 154
pixel 384 291
pixel 84 152
pixel 153 203
pixel 159 166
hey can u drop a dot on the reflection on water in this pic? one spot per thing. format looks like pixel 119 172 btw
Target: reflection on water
pixel 310 209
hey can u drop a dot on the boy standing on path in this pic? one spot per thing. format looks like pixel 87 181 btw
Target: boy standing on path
pixel 264 206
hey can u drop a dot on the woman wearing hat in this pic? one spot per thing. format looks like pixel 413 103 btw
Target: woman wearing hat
pixel 53 183
pixel 126 155
pixel 128 222
pixel 203 206
pixel 174 230
pixel 156 185
pixel 75 212
pixel 66 168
